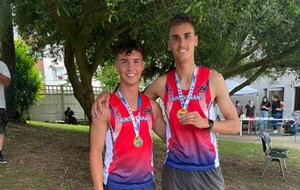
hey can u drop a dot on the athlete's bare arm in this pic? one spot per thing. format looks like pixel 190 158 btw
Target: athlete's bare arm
pixel 156 88
pixel 220 95
pixel 159 126
pixel 4 80
pixel 97 140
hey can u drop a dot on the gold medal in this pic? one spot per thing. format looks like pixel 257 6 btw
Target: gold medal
pixel 138 141
pixel 181 112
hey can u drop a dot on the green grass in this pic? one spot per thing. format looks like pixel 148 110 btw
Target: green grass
pixel 241 163
pixel 55 156
pixel 69 127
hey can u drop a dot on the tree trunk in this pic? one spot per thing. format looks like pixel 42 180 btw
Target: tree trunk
pixel 9 57
pixel 83 90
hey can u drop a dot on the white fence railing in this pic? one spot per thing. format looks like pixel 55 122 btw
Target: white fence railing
pixel 55 102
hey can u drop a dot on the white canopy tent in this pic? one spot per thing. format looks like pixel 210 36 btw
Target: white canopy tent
pixel 243 95
pixel 247 90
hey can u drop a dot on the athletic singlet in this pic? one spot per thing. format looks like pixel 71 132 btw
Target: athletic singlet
pixel 188 147
pixel 126 166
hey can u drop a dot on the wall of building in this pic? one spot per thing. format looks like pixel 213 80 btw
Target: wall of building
pixel 265 86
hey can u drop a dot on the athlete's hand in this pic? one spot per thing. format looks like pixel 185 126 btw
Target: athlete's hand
pixel 101 102
pixel 193 118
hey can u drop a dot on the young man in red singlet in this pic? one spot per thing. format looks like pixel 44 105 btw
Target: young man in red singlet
pixel 125 129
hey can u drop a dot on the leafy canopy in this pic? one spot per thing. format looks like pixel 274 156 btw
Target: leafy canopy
pixel 237 38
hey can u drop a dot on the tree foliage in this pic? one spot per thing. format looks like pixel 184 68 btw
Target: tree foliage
pixel 237 38
pixel 108 77
pixel 85 30
pixel 249 38
pixel 28 80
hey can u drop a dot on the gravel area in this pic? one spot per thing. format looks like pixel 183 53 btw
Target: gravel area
pixel 277 140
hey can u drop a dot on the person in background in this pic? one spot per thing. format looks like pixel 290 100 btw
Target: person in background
pixel 264 113
pixel 125 129
pixel 250 113
pixel 190 94
pixel 277 110
pixel 4 82
pixel 239 108
pixel 70 117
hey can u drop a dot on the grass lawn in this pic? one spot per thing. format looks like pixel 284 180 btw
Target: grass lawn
pixel 55 156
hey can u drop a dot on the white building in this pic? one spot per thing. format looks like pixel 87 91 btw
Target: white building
pixel 55 73
pixel 286 87
pixel 58 93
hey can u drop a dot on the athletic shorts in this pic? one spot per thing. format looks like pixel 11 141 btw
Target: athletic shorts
pixel 177 179
pixel 3 120
pixel 150 187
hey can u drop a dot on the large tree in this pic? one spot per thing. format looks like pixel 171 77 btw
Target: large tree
pixel 248 38
pixel 84 31
pixel 8 55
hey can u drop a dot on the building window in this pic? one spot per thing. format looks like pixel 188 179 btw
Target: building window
pixel 278 91
pixel 59 74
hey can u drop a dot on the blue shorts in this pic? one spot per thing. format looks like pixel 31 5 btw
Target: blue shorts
pixel 151 186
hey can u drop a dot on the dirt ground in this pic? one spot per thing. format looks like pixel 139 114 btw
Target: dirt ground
pixel 42 158
pixel 53 159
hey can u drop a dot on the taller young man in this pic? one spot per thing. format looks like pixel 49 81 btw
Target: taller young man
pixel 125 128
pixel 190 94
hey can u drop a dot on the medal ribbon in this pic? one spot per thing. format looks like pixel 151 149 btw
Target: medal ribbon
pixel 185 104
pixel 135 120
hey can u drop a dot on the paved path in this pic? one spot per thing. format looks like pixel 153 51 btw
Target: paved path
pixel 277 141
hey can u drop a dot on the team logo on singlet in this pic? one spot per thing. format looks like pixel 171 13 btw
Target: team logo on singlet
pixel 196 96
pixel 117 113
pixel 147 110
pixel 201 89
pixel 128 119
pixel 170 91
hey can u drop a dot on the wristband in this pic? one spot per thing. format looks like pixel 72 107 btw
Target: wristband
pixel 210 124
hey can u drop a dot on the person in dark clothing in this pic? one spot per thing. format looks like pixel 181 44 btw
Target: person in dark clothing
pixel 69 117
pixel 239 108
pixel 264 113
pixel 250 112
pixel 277 110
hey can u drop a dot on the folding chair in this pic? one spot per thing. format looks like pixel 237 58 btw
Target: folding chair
pixel 270 146
pixel 272 156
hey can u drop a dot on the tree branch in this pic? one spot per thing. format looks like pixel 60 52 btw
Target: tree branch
pixel 93 13
pixel 100 50
pixel 249 80
pixel 269 61
pixel 238 56
pixel 64 23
